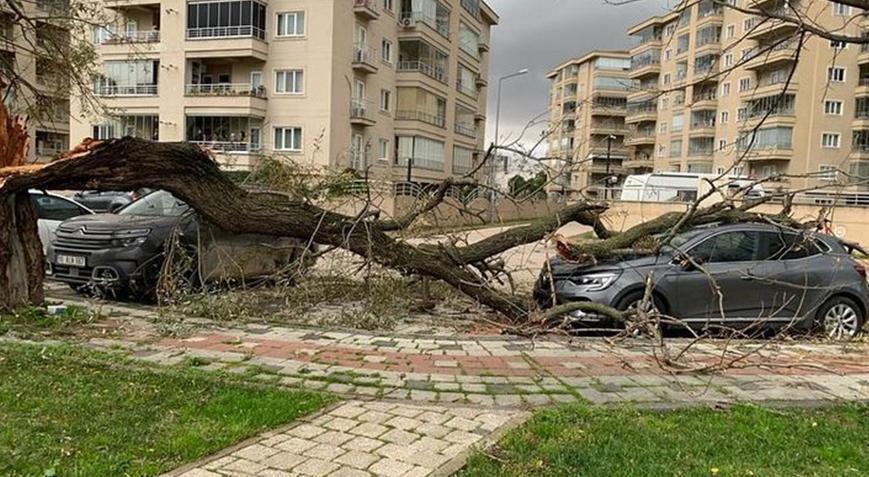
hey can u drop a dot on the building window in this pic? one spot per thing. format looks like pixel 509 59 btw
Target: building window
pixel 722 144
pixel 424 153
pixel 838 45
pixel 836 74
pixel 744 84
pixel 833 107
pixel 728 60
pixel 291 24
pixel 666 78
pixel 289 81
pixel 742 114
pixel 841 10
pixel 725 117
pixel 469 40
pixel 828 172
pixel 288 139
pixel 383 150
pixel 831 140
pixel 385 100
pixel 667 54
pixel 725 90
pixel 730 32
pixel 236 18
pixel 389 5
pixel 386 51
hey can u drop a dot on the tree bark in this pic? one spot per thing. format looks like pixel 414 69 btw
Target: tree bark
pixel 21 259
pixel 192 176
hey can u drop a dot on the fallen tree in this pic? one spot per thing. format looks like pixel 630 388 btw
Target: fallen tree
pixel 193 176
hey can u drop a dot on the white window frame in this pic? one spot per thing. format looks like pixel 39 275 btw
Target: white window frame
pixel 725 117
pixel 828 172
pixel 730 31
pixel 840 9
pixel 295 15
pixel 387 51
pixel 837 111
pixel 283 136
pixel 381 151
pixel 722 144
pixel 830 77
pixel 744 83
pixel 386 94
pixel 295 82
pixel 725 89
pixel 837 143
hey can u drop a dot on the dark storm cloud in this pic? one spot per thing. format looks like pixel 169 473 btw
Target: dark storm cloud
pixel 540 34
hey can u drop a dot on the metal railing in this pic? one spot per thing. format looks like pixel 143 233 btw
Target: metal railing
pixel 469 90
pixel 435 72
pixel 126 90
pixel 466 129
pixel 414 115
pixel 146 36
pixel 363 54
pixel 360 109
pixel 225 89
pixel 228 146
pixel 226 32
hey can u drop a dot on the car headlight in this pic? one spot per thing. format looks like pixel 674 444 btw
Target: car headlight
pixel 594 282
pixel 132 236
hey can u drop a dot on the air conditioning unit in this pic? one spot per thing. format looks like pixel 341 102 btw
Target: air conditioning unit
pixel 408 22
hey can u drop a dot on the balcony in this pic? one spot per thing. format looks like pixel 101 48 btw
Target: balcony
pixel 771 86
pixel 413 19
pixel 702 128
pixel 210 33
pixel 641 137
pixel 229 147
pixel 224 98
pixel 361 113
pixel 132 37
pixel 618 150
pixel 704 101
pixel 772 58
pixel 364 59
pixel 466 89
pixel 603 169
pixel 772 28
pixel 863 55
pixel 640 114
pixel 638 165
pixel 645 69
pixel 421 116
pixel 437 73
pixel 366 9
pixel 771 154
pixel 466 129
pixel 862 89
pixel 126 90
pixel 607 129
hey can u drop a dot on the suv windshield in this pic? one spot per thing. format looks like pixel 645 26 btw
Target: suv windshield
pixel 157 204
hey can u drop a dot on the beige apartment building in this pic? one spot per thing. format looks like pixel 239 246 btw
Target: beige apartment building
pixel 706 76
pixel 363 84
pixel 588 96
pixel 47 108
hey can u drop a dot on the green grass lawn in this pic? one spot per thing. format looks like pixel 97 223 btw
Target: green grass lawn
pixel 745 441
pixel 70 412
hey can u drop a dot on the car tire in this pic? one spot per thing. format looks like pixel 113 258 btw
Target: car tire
pixel 840 319
pixel 632 299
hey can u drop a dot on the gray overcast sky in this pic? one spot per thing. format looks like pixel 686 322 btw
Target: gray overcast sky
pixel 540 34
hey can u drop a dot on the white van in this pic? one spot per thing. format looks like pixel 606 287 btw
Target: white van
pixel 678 186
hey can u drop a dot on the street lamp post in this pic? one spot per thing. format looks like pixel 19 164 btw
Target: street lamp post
pixel 497 131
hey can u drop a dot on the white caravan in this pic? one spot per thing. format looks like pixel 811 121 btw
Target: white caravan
pixel 679 186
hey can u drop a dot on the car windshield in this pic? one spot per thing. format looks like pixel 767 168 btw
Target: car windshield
pixel 680 239
pixel 157 204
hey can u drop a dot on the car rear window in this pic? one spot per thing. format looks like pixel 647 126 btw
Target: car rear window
pixel 788 246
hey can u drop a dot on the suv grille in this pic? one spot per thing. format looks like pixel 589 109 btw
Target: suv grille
pixel 80 238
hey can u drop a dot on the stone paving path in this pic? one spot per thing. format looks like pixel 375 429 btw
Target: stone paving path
pixel 363 439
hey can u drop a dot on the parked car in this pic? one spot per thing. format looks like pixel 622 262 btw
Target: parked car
pixel 51 210
pixel 779 276
pixel 108 201
pixel 124 252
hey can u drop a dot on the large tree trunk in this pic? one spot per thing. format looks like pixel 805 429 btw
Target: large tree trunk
pixel 21 260
pixel 191 175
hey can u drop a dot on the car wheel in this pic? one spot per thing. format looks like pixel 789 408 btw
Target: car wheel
pixel 840 318
pixel 633 300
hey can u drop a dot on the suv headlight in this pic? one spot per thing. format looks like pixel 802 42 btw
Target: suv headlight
pixel 594 282
pixel 132 236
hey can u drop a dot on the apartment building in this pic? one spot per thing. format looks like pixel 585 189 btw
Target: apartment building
pixel 714 86
pixel 587 108
pixel 395 87
pixel 46 105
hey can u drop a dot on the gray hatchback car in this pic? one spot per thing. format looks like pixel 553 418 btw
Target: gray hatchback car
pixel 766 274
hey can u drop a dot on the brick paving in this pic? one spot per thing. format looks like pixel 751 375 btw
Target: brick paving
pixel 364 439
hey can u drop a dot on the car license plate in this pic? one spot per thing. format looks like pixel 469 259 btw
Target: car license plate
pixel 71 260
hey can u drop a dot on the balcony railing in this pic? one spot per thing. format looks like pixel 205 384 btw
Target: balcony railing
pixel 413 115
pixel 466 129
pixel 360 109
pixel 126 90
pixel 226 32
pixel 146 36
pixel 436 72
pixel 237 147
pixel 225 89
pixel 465 88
